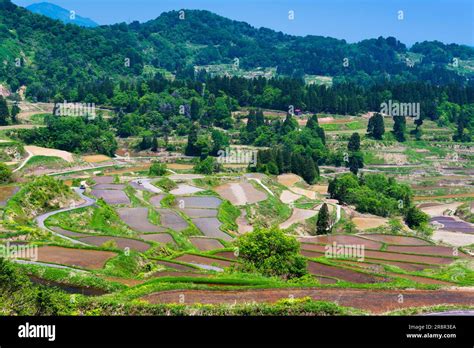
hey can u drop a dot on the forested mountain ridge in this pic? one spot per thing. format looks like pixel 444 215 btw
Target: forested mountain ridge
pixel 54 57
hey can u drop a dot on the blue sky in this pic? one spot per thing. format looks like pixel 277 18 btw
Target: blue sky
pixel 353 20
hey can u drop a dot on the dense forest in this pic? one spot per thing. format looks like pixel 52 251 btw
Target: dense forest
pixel 50 57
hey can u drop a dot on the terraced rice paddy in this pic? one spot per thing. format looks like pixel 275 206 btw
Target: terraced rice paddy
pixel 111 196
pixel 185 189
pixel 89 259
pixel 199 202
pixel 103 179
pixel 172 220
pixel 341 273
pixel 164 238
pixel 298 215
pixel 156 200
pixel 206 244
pixel 210 227
pixel 396 240
pixel 374 301
pixel 241 193
pixel 451 224
pixel 203 260
pixel 137 219
pixel 66 232
pixel 121 243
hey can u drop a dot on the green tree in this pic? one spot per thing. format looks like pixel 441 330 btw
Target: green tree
pixel 4 113
pixel 356 162
pixel 415 217
pixel 195 109
pixel 310 171
pixel 157 169
pixel 272 253
pixel 191 147
pixel 154 144
pixel 14 112
pixel 323 223
pixel 376 127
pixel 399 128
pixel 354 142
pixel 207 166
pixel 5 173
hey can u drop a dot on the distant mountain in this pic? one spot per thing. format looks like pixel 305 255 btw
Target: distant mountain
pixel 57 12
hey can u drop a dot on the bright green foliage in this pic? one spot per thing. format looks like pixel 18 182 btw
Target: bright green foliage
pixel 272 253
pixel 157 169
pixel 5 173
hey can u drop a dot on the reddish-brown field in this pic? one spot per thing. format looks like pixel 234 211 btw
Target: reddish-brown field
pixel 206 244
pixel 340 273
pixel 91 259
pixel 374 301
pixel 396 240
pixel 121 243
pixel 159 238
pixel 203 260
pixel 427 250
pixel 342 239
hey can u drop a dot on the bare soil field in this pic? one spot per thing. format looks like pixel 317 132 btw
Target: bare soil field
pixel 307 193
pixel 183 177
pixel 67 233
pixel 90 259
pixel 453 238
pixel 103 179
pixel 111 196
pixel 341 273
pixel 395 240
pixel 243 224
pixel 137 219
pixel 127 170
pixel 298 215
pixel 190 258
pixel 206 244
pixel 375 265
pixel 288 179
pixel 159 238
pixel 289 197
pixel 374 301
pixel 43 151
pixel 426 250
pixel 227 255
pixel 156 200
pixel 437 209
pixel 176 266
pixel 6 192
pixel 121 243
pixel 321 189
pixel 172 220
pixel 96 158
pixel 210 227
pixel 342 239
pixel 454 195
pixel 185 189
pixel 179 166
pixel 109 187
pixel 241 193
pixel 199 202
pixel 365 223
